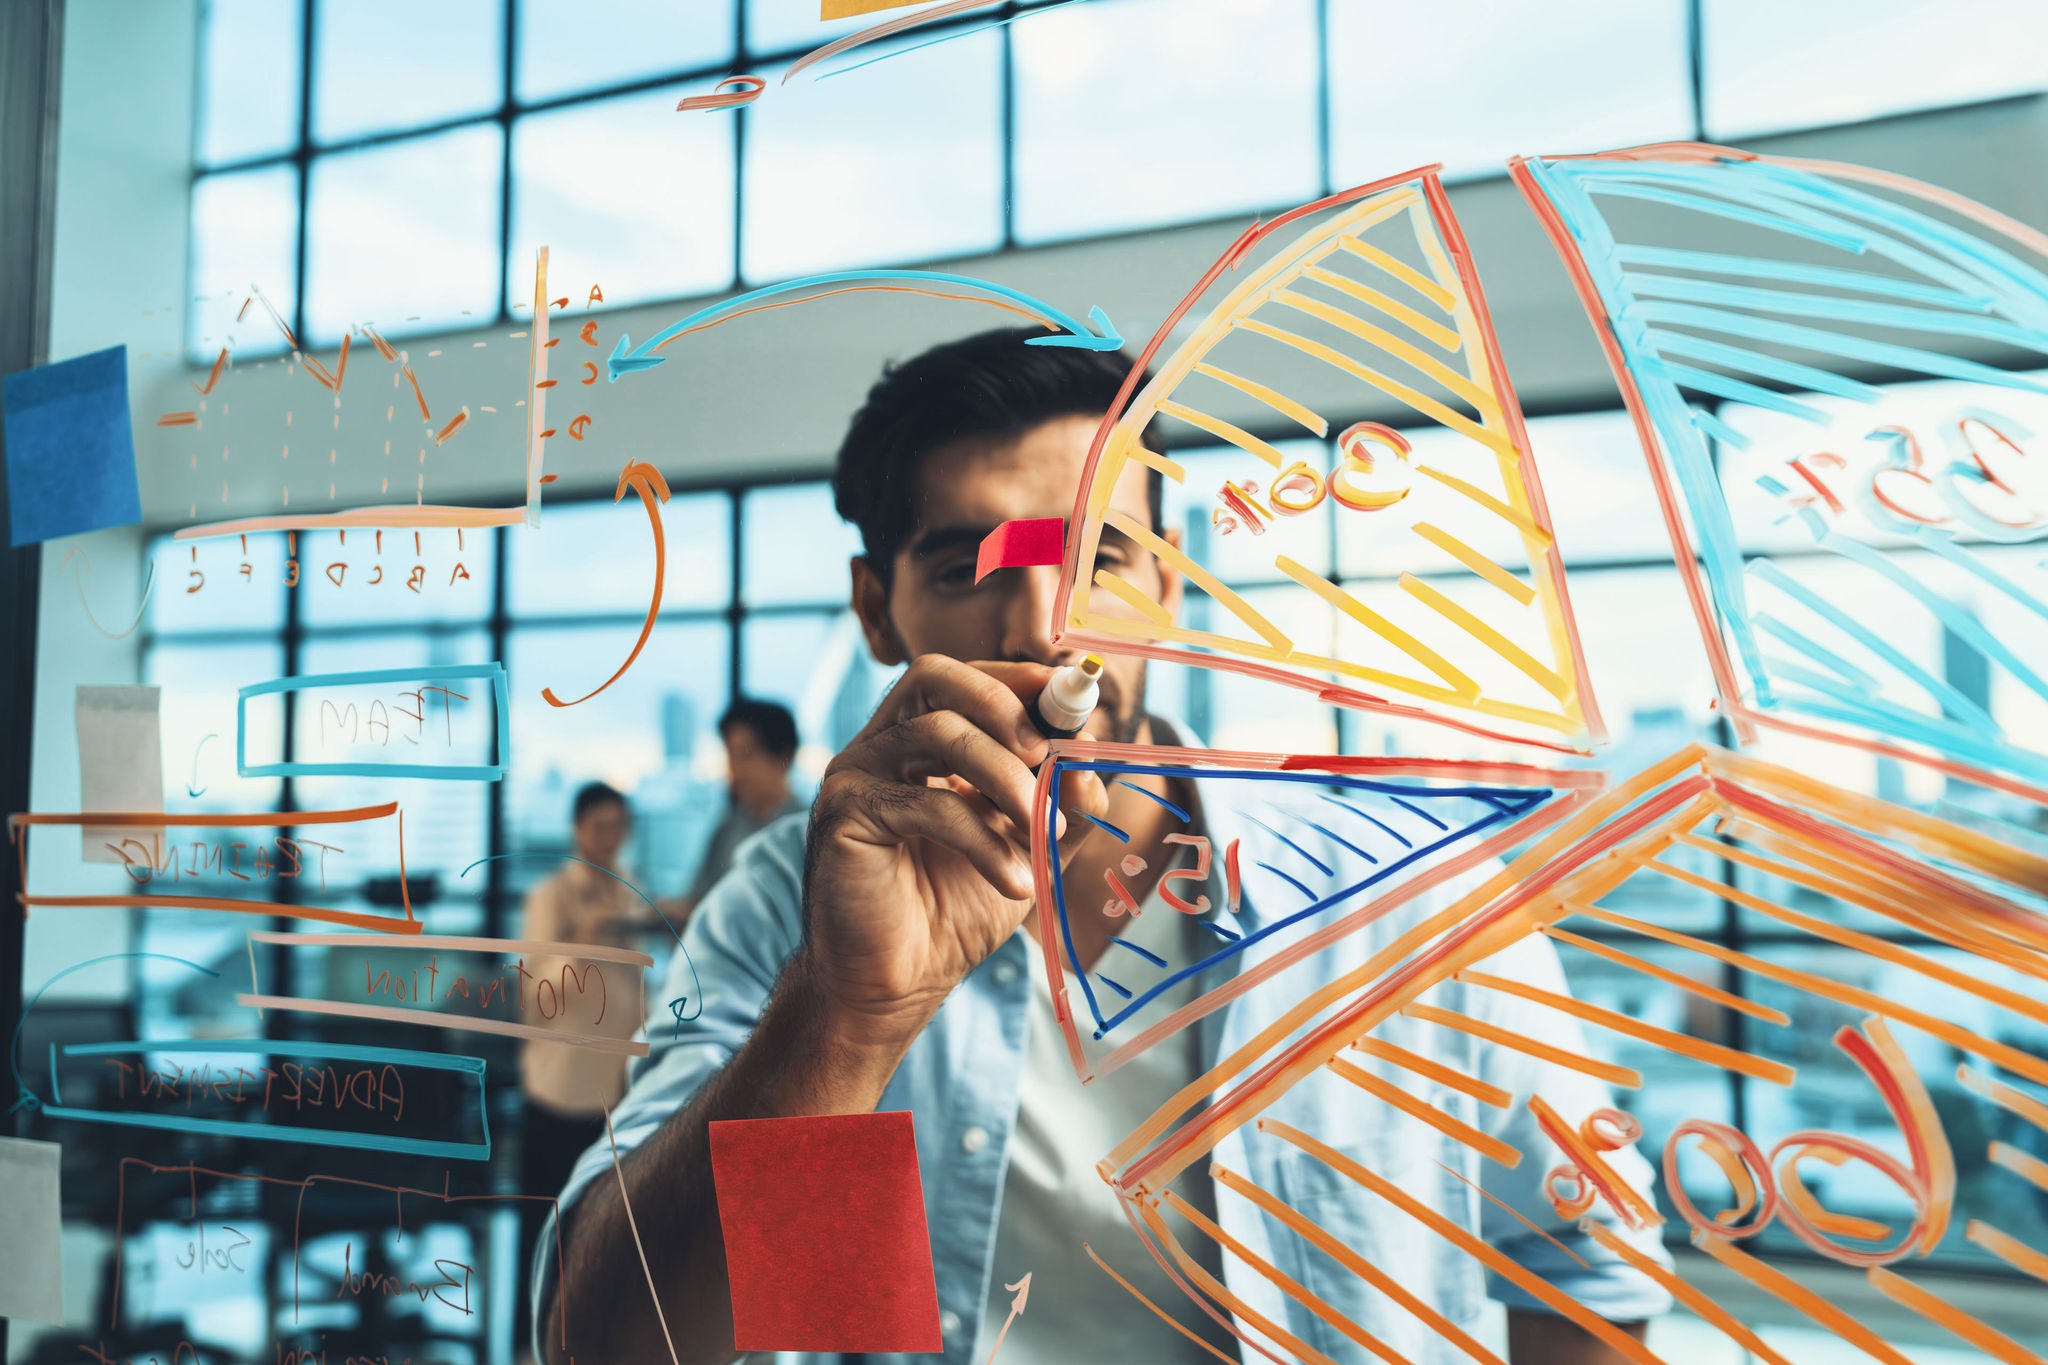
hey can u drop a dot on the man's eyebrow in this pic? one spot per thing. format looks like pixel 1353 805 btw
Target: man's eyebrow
pixel 940 539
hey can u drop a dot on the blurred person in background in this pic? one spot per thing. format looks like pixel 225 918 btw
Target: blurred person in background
pixel 760 748
pixel 568 1089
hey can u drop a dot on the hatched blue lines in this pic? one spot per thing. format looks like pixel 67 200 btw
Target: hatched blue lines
pixel 1298 859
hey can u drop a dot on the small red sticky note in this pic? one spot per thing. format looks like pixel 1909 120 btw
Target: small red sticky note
pixel 825 1237
pixel 1020 544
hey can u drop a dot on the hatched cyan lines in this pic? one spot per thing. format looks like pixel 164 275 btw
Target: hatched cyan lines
pixel 1846 269
pixel 1374 286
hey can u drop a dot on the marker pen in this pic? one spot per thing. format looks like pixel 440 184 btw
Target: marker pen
pixel 1069 698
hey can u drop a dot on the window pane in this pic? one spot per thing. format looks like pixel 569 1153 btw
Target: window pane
pixel 384 64
pixel 1596 482
pixel 245 230
pixel 222 597
pixel 199 683
pixel 1772 66
pixel 789 25
pixel 1516 80
pixel 818 666
pixel 625 193
pixel 448 578
pixel 675 690
pixel 248 80
pixel 405 235
pixel 898 162
pixel 795 546
pixel 1189 142
pixel 568 45
pixel 576 564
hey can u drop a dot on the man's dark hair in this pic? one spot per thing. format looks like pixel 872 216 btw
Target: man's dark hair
pixel 591 795
pixel 991 385
pixel 770 722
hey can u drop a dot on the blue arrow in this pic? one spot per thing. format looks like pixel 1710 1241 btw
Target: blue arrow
pixel 627 358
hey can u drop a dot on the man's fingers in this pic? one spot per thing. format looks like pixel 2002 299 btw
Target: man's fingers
pixel 947 818
pixel 991 695
pixel 1080 795
pixel 947 744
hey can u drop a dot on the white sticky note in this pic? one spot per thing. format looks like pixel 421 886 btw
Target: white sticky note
pixel 30 1253
pixel 120 763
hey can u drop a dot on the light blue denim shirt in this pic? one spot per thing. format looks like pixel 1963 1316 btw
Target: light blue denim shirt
pixel 960 1081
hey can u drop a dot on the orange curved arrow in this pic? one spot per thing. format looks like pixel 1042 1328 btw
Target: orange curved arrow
pixel 645 480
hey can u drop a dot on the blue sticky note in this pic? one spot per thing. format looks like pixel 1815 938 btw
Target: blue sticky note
pixel 70 448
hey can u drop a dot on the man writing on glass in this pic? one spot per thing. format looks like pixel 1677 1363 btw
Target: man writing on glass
pixel 881 958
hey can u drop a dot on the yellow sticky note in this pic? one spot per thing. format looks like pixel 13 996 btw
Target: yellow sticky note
pixel 846 9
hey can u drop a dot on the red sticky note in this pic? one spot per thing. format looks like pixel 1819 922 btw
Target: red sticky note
pixel 825 1237
pixel 1020 544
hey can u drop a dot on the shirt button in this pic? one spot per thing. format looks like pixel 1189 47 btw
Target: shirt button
pixel 949 1322
pixel 973 1140
pixel 1006 972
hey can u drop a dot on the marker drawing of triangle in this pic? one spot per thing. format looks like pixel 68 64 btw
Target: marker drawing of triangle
pixel 1362 302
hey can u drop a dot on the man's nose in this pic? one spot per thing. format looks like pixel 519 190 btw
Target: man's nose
pixel 1027 617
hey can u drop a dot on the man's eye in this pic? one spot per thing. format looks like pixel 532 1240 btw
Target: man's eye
pixel 959 575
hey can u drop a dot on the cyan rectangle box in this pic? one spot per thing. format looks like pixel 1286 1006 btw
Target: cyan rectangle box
pixel 264 1092
pixel 411 710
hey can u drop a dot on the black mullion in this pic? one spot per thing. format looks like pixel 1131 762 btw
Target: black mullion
pixel 1325 172
pixel 302 157
pixel 494 830
pixel 739 146
pixel 506 110
pixel 735 613
pixel 1696 66
pixel 1009 132
pixel 277 960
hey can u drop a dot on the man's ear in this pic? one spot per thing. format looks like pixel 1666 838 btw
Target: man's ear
pixel 871 605
pixel 1171 580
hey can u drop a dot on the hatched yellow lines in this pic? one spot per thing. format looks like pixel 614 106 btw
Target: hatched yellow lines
pixel 1683 1045
pixel 1486 635
pixel 2008 1248
pixel 1199 576
pixel 1514 1042
pixel 1400 270
pixel 1137 601
pixel 1420 402
pixel 2015 1102
pixel 1518 520
pixel 1475 561
pixel 1379 625
pixel 1942 1313
pixel 1386 341
pixel 1726 999
pixel 1483 1091
pixel 1223 430
pixel 1316 1236
pixel 1135 449
pixel 1272 398
pixel 2031 1169
pixel 1483 1143
pixel 1400 312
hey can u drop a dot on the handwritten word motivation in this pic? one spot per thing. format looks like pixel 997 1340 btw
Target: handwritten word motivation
pixel 551 992
pixel 377 1089
pixel 540 993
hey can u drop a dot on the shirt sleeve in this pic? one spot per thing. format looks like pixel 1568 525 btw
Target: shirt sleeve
pixel 737 941
pixel 1574 1262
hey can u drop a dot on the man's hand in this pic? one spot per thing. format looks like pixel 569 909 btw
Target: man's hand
pixel 918 865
